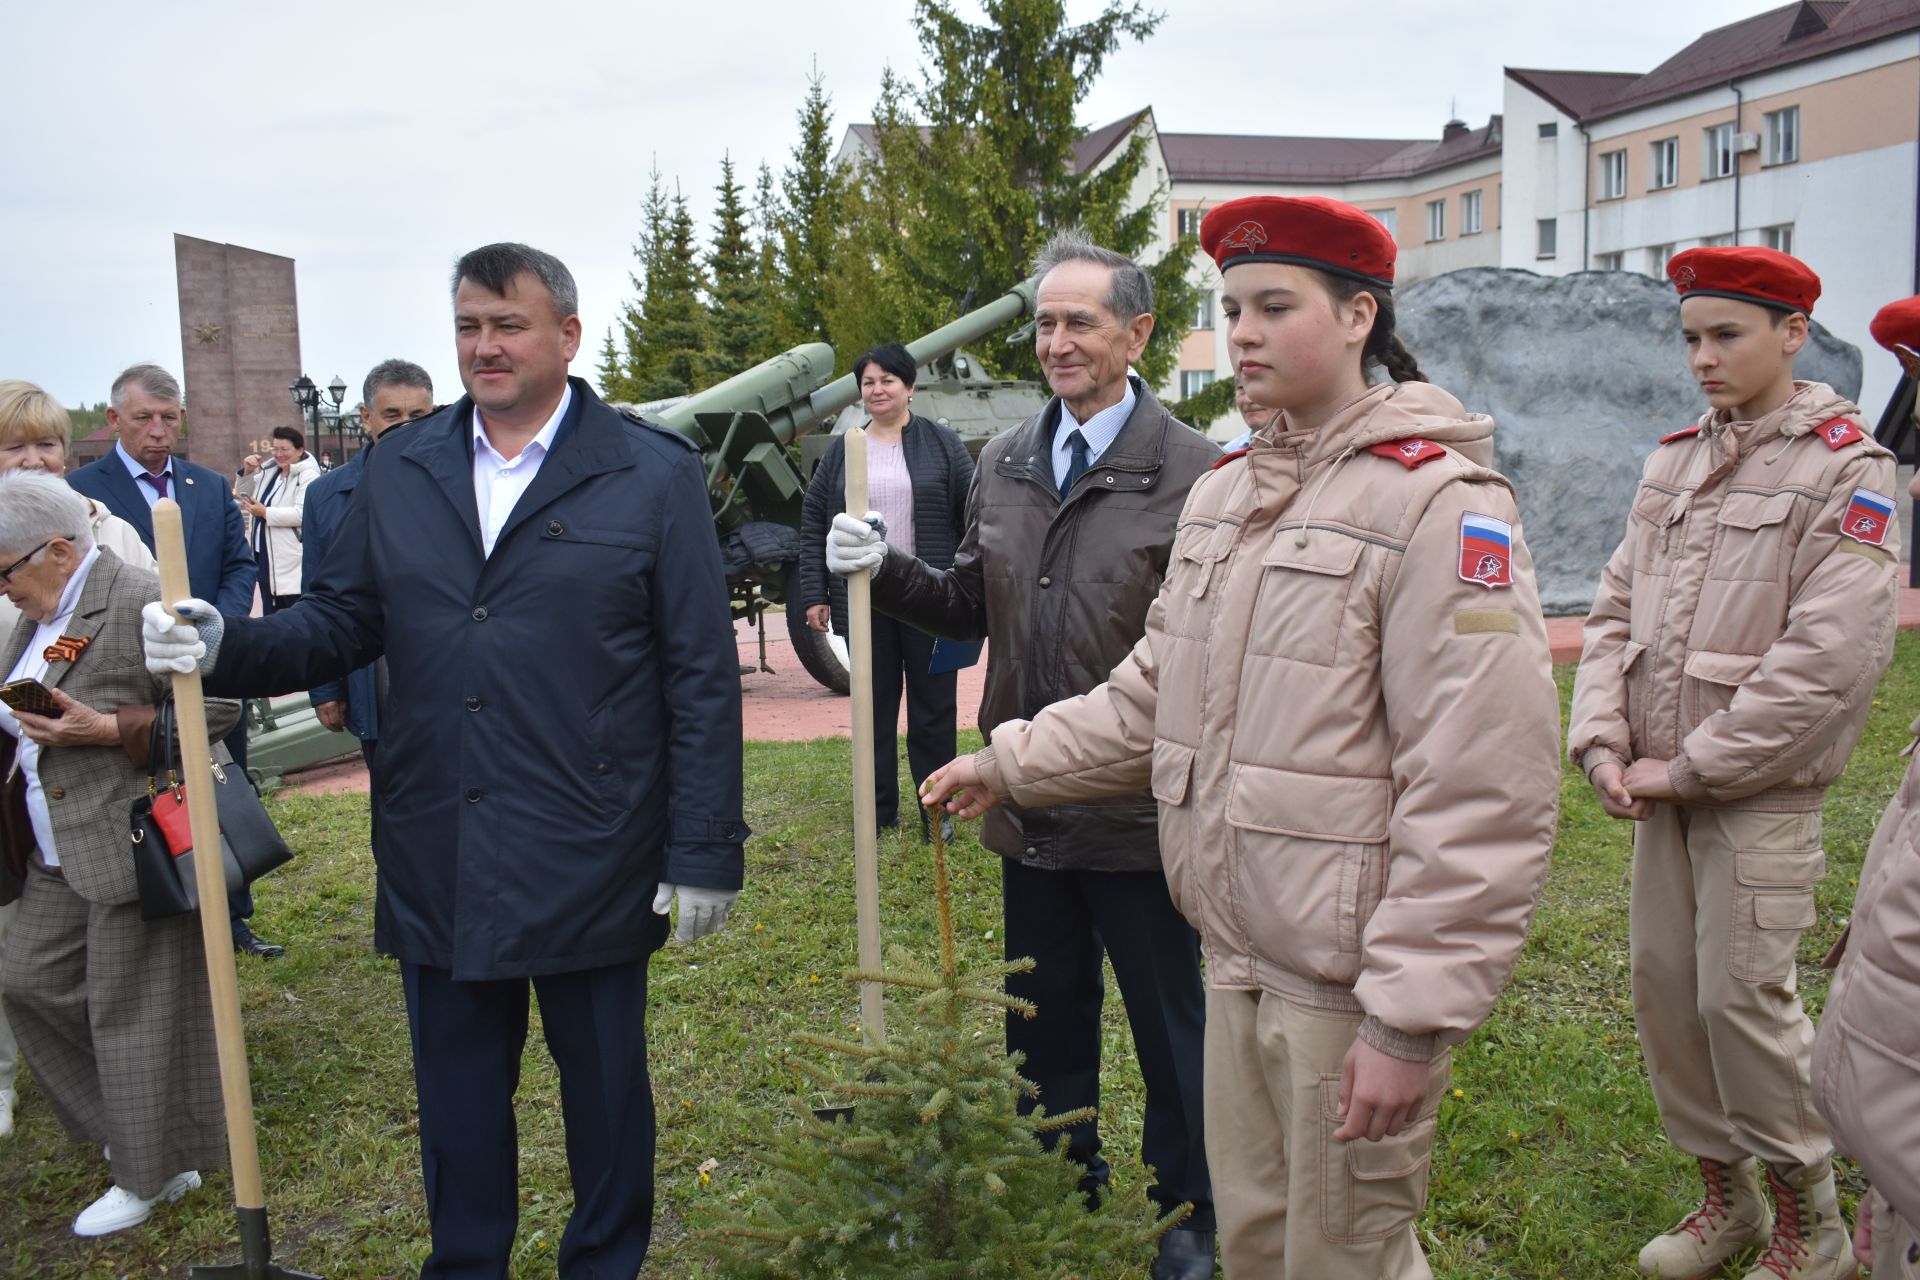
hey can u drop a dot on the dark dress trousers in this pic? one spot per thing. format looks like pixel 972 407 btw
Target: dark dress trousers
pixel 220 566
pixel 562 733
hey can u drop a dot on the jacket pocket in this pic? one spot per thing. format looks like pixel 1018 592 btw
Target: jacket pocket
pixel 1311 866
pixel 1190 572
pixel 1302 605
pixel 1172 775
pixel 1752 528
pixel 1651 526
pixel 1772 903
pixel 1372 1191
pixel 1711 680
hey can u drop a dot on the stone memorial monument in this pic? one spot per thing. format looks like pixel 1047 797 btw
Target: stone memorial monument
pixel 240 333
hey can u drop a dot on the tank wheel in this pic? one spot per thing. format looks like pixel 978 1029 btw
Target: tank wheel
pixel 823 655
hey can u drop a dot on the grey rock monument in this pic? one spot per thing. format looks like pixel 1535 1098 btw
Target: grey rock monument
pixel 1583 374
pixel 240 335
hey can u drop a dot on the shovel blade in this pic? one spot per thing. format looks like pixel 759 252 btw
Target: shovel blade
pixel 256 1250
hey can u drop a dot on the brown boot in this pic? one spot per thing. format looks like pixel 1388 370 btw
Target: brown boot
pixel 1732 1216
pixel 1809 1238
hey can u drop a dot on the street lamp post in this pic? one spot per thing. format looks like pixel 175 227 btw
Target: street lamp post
pixel 306 398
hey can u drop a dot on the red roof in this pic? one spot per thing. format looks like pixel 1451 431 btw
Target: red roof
pixel 1779 37
pixel 1089 151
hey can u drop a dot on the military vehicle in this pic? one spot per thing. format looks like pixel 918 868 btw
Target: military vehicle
pixel 747 427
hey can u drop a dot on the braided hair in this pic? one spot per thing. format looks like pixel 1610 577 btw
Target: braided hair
pixel 1383 346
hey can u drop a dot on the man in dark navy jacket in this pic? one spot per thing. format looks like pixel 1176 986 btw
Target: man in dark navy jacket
pixel 395 391
pixel 143 408
pixel 560 752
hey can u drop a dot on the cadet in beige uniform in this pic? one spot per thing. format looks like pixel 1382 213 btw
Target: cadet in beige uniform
pixel 1344 706
pixel 1728 668
pixel 1866 1058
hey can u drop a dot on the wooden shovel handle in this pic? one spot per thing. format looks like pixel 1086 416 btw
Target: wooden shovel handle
pixel 866 834
pixel 196 758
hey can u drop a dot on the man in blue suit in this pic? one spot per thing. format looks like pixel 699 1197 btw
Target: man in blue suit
pixel 396 391
pixel 144 411
pixel 560 750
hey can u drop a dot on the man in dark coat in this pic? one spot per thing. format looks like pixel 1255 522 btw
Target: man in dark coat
pixel 395 391
pixel 560 749
pixel 1070 528
pixel 144 410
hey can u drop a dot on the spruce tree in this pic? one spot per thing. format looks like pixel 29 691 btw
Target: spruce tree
pixel 615 385
pixel 675 321
pixel 739 307
pixel 638 347
pixel 810 227
pixel 937 1175
pixel 980 147
pixel 767 221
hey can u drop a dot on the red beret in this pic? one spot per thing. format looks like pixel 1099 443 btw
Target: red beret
pixel 1307 231
pixel 1898 325
pixel 1897 328
pixel 1746 272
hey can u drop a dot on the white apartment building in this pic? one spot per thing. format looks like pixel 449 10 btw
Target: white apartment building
pixel 1798 128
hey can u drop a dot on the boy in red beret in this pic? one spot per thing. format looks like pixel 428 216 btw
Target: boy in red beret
pixel 1729 664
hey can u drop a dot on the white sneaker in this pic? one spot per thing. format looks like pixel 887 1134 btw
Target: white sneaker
pixel 120 1208
pixel 6 1112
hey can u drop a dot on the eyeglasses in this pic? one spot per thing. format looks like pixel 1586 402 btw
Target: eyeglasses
pixel 6 574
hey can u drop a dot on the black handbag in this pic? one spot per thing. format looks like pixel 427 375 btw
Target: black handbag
pixel 163 850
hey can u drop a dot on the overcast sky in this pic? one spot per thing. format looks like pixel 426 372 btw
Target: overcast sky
pixel 375 142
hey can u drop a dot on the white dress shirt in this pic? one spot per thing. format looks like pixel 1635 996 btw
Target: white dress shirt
pixel 33 665
pixel 1099 431
pixel 498 482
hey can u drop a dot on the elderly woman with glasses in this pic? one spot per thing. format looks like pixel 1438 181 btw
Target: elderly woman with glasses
pixel 33 437
pixel 112 1011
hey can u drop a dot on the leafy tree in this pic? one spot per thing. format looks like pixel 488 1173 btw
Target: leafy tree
pixel 979 147
pixel 810 227
pixel 936 1175
pixel 741 327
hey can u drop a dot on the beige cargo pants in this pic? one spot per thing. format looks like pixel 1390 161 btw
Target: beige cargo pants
pixel 1720 897
pixel 1896 1242
pixel 1294 1202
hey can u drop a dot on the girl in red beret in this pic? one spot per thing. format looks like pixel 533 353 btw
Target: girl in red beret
pixel 1729 663
pixel 1344 705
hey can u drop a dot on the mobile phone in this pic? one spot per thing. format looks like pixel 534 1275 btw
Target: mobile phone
pixel 31 697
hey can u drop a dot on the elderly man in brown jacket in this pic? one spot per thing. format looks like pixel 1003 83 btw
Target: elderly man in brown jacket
pixel 1866 1057
pixel 1070 526
pixel 1728 668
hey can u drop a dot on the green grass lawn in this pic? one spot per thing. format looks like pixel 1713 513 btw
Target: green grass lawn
pixel 1549 1163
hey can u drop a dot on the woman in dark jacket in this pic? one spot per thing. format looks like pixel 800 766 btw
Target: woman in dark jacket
pixel 918 474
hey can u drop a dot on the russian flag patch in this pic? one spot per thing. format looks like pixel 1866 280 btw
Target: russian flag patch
pixel 1868 518
pixel 1486 550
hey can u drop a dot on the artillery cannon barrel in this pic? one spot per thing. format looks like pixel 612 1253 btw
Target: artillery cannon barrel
pixel 975 325
pixel 778 389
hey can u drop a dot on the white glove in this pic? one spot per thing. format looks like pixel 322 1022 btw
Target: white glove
pixel 855 546
pixel 177 647
pixel 702 911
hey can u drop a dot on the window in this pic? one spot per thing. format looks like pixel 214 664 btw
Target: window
pixel 1719 152
pixel 1194 381
pixel 1203 311
pixel 1549 237
pixel 1665 164
pixel 1717 242
pixel 1783 135
pixel 1187 222
pixel 1470 213
pixel 1780 237
pixel 1549 129
pixel 1613 175
pixel 1609 261
pixel 1657 258
pixel 1436 219
pixel 1388 218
